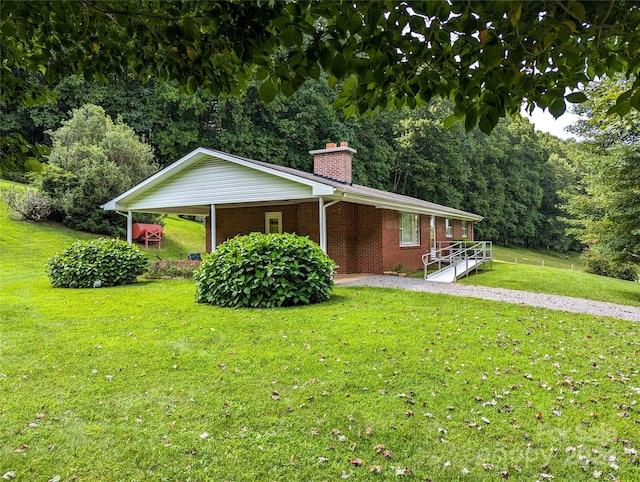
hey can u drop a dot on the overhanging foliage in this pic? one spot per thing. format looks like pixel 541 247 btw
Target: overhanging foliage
pixel 488 57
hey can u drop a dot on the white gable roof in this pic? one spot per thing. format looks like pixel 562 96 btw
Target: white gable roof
pixel 205 177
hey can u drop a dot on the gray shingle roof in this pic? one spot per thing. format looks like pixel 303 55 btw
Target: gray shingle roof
pixel 384 197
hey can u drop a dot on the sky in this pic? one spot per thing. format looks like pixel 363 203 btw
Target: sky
pixel 546 123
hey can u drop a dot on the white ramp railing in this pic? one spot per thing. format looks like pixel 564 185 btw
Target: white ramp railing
pixel 460 257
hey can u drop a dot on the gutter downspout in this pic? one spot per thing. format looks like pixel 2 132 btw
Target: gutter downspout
pixel 323 220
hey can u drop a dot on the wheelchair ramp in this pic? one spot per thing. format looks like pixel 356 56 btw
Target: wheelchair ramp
pixel 459 258
pixel 454 272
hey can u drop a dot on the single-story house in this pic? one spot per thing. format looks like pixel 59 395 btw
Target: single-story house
pixel 363 230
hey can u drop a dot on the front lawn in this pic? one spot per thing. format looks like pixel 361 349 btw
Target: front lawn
pixel 141 383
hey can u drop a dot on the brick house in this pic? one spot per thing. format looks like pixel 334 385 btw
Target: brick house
pixel 363 230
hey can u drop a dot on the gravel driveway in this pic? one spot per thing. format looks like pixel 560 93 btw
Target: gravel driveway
pixel 541 300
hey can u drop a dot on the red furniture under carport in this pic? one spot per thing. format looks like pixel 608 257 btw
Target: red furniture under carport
pixel 150 233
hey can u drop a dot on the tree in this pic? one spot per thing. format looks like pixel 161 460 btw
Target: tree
pixel 598 124
pixel 607 211
pixel 488 57
pixel 431 163
pixel 92 161
pixel 607 208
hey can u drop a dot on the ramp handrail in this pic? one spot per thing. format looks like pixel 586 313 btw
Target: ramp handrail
pixel 457 251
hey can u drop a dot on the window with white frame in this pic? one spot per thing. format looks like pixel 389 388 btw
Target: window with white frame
pixel 409 229
pixel 464 229
pixel 449 225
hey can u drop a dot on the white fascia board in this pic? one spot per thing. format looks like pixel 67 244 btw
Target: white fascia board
pixel 410 207
pixel 119 203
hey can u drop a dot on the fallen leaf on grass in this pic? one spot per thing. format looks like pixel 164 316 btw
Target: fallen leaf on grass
pixel 356 462
pixel 275 396
pixel 22 448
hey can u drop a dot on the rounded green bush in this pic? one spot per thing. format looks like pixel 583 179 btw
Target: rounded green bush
pixel 96 263
pixel 264 271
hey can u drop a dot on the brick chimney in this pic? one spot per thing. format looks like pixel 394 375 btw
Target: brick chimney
pixel 333 162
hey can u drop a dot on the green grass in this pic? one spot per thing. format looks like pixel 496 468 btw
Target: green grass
pixel 141 383
pixel 565 282
pixel 180 238
pixel 43 240
pixel 538 257
pixel 543 271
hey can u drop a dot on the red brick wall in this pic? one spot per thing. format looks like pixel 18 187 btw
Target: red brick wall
pixel 309 221
pixel 360 238
pixel 368 229
pixel 457 230
pixel 341 236
pixel 410 257
pixel 441 230
pixel 234 221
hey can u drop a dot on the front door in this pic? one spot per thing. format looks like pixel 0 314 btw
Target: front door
pixel 273 222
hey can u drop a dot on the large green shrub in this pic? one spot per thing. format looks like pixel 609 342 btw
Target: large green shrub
pixel 265 270
pixel 598 263
pixel 96 263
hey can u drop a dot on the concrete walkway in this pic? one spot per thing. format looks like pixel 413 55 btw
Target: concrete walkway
pixel 525 298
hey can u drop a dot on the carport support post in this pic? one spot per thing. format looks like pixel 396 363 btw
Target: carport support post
pixel 213 227
pixel 129 227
